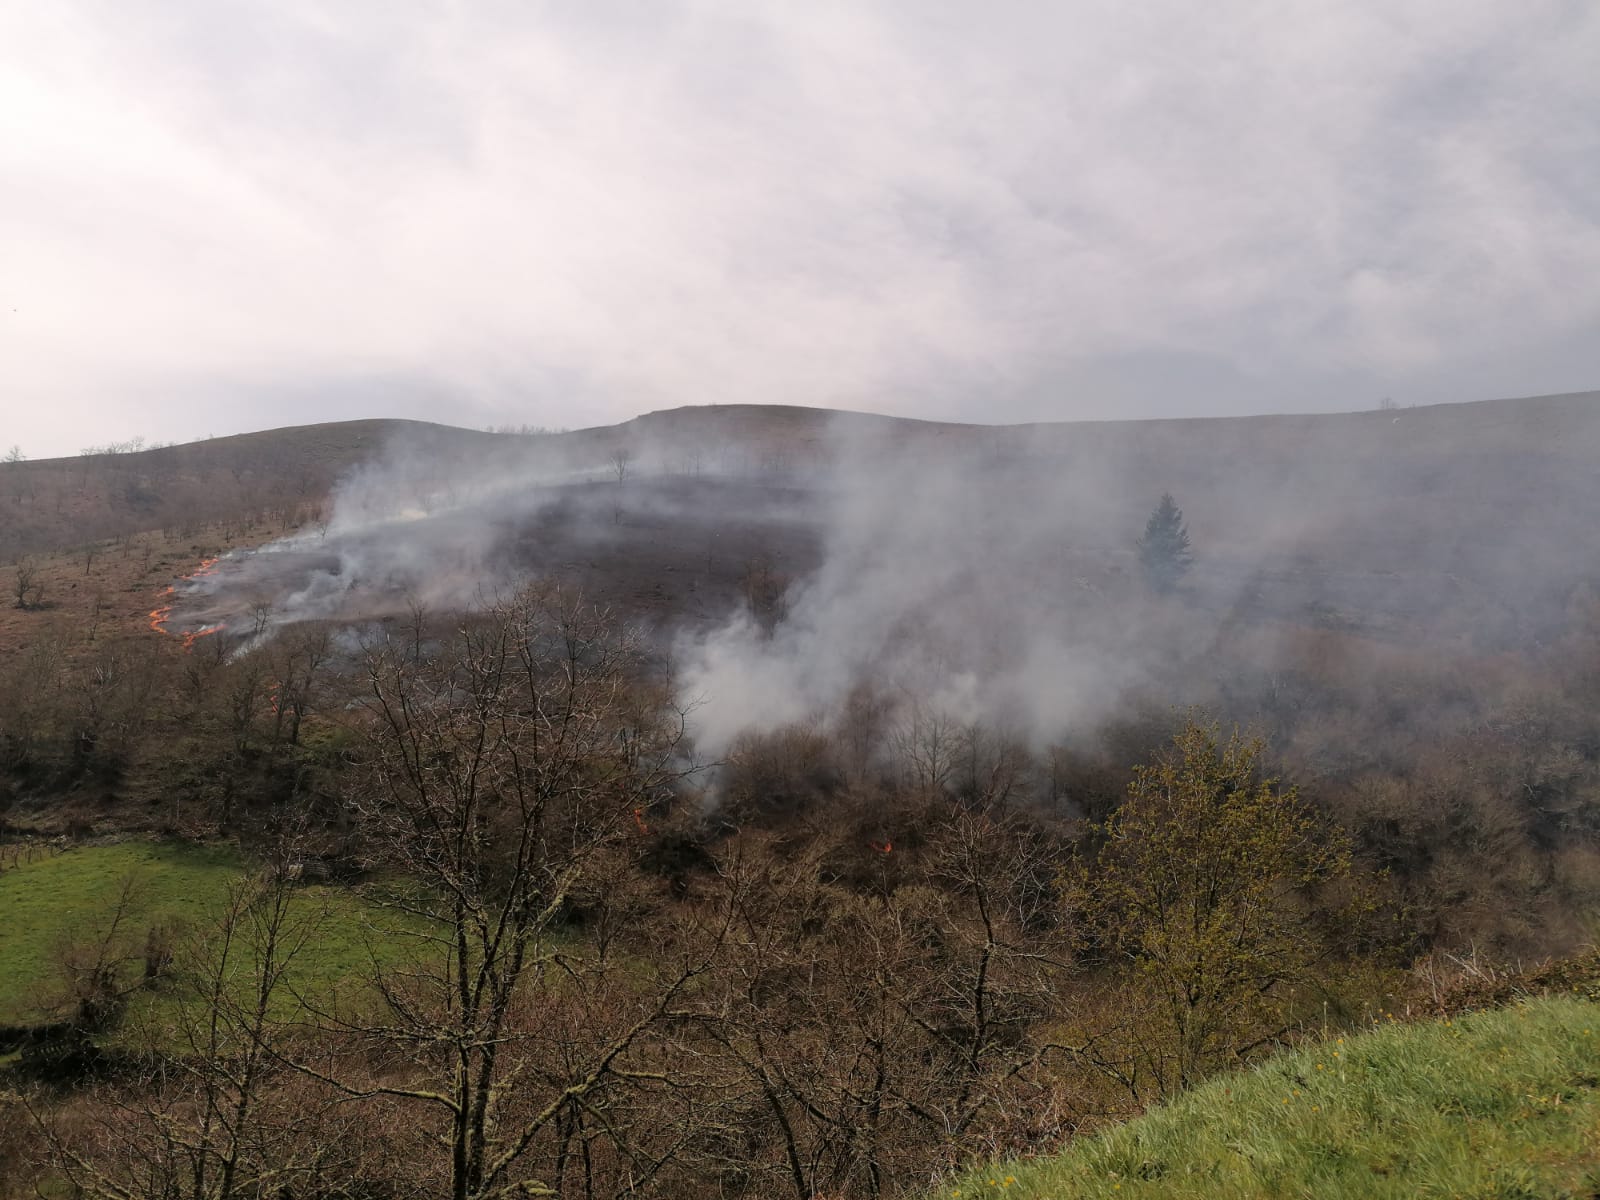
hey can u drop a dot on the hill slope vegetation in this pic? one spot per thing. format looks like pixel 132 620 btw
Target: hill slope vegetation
pixel 1498 1103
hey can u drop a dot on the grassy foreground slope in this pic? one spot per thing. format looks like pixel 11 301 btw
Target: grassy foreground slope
pixel 1504 1103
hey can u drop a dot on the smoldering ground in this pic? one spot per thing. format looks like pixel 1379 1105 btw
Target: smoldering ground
pixel 448 520
pixel 787 557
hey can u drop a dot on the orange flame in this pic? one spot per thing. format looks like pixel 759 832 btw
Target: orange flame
pixel 638 819
pixel 883 847
pixel 161 614
pixel 194 635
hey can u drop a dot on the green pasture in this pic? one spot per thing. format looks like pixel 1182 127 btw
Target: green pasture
pixel 1502 1104
pixel 54 905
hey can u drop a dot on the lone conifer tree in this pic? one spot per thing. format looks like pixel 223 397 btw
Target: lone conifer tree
pixel 1164 548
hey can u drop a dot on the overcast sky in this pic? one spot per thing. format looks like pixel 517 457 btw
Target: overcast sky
pixel 220 215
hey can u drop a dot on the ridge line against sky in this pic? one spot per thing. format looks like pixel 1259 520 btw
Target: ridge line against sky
pixel 217 217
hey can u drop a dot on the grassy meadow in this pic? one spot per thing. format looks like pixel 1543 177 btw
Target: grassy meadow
pixel 56 900
pixel 1502 1103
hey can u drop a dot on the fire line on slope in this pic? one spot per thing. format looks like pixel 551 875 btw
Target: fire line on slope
pixel 163 612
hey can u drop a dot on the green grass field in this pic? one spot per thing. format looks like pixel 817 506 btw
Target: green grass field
pixel 50 902
pixel 1496 1104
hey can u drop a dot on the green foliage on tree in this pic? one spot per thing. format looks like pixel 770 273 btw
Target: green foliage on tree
pixel 1208 886
pixel 1164 549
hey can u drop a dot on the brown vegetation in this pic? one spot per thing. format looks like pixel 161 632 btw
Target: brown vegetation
pixel 865 948
pixel 110 493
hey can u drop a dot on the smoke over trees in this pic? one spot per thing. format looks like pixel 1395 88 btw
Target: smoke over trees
pixel 957 880
pixel 1164 550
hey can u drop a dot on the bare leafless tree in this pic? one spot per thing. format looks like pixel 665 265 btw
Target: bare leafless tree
pixel 216 1117
pixel 261 610
pixel 297 661
pixel 929 745
pixel 887 1006
pixel 94 970
pixel 500 773
pixel 417 615
pixel 27 586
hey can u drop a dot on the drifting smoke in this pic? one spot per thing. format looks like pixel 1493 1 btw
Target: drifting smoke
pixel 427 524
pixel 987 573
pixel 990 574
pixel 966 580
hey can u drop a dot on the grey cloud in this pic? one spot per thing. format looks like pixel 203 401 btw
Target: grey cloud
pixel 570 213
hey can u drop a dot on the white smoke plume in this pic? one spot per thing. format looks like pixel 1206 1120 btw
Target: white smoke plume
pixel 987 573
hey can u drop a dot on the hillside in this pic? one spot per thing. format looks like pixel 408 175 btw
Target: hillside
pixel 1499 1103
pixel 843 752
pixel 54 504
pixel 1522 451
pixel 1460 521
